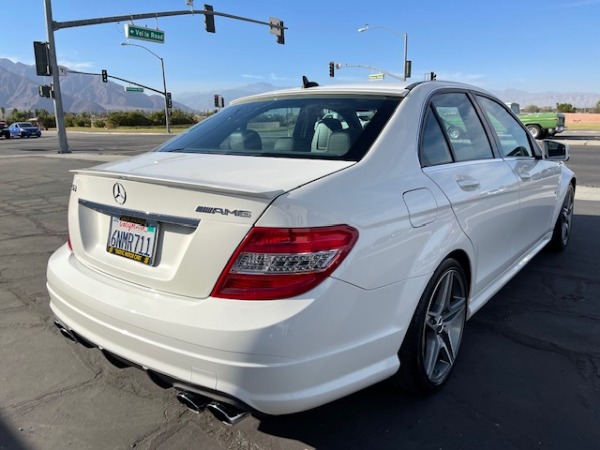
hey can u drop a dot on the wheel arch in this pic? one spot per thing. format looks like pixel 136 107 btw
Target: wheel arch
pixel 563 186
pixel 463 259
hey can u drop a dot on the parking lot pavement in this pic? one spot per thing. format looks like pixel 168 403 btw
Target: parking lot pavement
pixel 528 375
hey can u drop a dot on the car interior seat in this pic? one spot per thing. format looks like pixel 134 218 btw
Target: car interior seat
pixel 245 140
pixel 339 143
pixel 323 131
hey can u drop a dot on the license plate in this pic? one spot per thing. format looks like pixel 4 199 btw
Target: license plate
pixel 133 238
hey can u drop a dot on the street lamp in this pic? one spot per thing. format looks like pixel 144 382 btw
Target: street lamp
pixel 162 65
pixel 406 70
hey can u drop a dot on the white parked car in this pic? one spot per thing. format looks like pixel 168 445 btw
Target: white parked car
pixel 280 255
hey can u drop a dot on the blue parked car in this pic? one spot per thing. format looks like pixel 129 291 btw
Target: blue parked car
pixel 24 129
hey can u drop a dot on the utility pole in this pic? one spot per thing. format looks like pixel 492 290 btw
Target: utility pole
pixel 406 64
pixel 167 99
pixel 63 145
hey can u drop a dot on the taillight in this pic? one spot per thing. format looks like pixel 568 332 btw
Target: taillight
pixel 274 263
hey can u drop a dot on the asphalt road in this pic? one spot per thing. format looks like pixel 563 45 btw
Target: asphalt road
pixel 528 376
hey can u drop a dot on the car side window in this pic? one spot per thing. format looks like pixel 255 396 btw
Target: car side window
pixel 434 149
pixel 466 134
pixel 512 136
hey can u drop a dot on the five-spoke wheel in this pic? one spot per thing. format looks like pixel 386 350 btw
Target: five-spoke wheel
pixel 431 345
pixel 562 228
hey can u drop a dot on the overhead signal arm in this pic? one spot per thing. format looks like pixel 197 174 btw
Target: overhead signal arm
pixel 362 66
pixel 275 25
pixel 104 72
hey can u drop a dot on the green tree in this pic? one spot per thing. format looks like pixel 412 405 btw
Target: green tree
pixel 180 117
pixel 45 119
pixel 157 117
pixel 565 108
pixel 20 116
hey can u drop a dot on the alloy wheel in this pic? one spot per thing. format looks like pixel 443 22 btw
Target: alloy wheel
pixel 444 324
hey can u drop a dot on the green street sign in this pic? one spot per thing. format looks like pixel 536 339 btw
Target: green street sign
pixel 133 89
pixel 376 76
pixel 144 34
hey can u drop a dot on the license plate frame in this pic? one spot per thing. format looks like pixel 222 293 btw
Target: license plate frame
pixel 134 238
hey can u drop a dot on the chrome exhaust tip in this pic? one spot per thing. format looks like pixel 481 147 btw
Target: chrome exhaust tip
pixel 228 414
pixel 192 401
pixel 64 331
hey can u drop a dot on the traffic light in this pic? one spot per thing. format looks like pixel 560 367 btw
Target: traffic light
pixel 331 69
pixel 209 19
pixel 281 36
pixel 169 100
pixel 45 91
pixel 222 102
pixel 407 69
pixel 216 100
pixel 277 29
pixel 42 63
pixel 432 76
pixel 104 76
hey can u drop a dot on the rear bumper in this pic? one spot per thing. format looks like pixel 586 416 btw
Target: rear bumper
pixel 277 357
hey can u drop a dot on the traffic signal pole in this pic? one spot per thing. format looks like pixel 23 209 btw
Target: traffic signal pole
pixel 63 144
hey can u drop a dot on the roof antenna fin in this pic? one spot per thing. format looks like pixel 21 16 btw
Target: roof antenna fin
pixel 308 84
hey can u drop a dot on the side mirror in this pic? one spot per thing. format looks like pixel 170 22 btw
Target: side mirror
pixel 555 151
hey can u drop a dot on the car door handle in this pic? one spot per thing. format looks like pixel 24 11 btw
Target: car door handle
pixel 468 184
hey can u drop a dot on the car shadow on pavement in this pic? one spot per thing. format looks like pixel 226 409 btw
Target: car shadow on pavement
pixel 10 441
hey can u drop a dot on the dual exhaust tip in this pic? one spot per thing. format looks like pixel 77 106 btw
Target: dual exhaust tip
pixel 228 414
pixel 65 331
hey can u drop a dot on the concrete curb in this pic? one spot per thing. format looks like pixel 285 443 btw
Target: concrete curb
pixel 587 193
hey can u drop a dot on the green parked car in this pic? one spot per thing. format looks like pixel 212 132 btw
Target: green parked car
pixel 540 125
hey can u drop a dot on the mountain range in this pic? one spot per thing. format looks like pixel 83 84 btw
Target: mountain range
pixel 80 93
pixel 84 93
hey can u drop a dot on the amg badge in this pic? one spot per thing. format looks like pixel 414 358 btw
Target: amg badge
pixel 223 211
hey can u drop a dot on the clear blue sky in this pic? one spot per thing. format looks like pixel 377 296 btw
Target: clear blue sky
pixel 532 45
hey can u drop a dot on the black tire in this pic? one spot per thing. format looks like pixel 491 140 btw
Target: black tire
pixel 431 344
pixel 564 222
pixel 535 131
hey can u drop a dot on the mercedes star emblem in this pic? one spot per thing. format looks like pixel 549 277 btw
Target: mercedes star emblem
pixel 119 193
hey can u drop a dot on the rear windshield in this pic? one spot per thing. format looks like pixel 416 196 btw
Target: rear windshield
pixel 337 127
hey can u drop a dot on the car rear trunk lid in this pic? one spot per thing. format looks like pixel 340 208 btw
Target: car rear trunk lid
pixel 170 221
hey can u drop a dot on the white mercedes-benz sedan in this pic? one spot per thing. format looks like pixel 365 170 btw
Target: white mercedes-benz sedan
pixel 303 244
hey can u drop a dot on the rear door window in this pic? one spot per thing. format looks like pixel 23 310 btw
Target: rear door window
pixel 462 126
